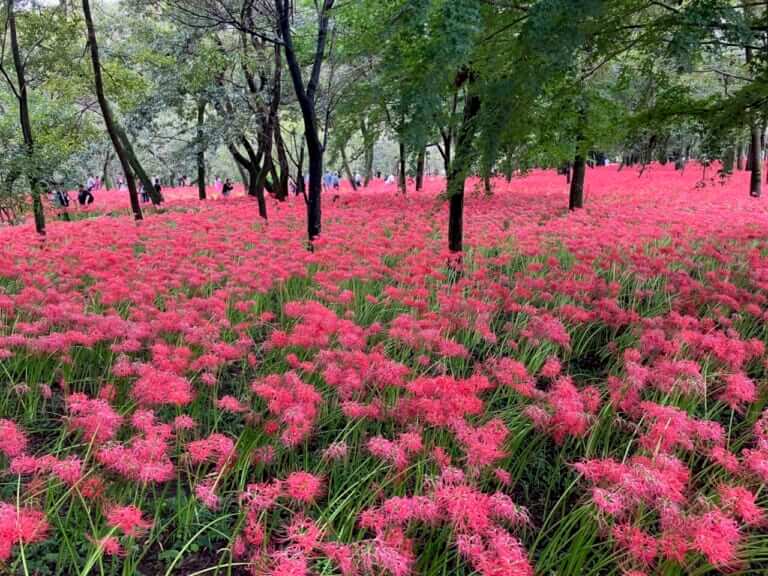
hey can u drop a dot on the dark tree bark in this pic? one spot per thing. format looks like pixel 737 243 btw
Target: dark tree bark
pixel 446 135
pixel 576 196
pixel 252 164
pixel 347 169
pixel 281 184
pixel 421 161
pixel 756 162
pixel 306 99
pixel 445 150
pixel 729 160
pixel 254 175
pixel 105 170
pixel 201 149
pixel 301 185
pixel 459 169
pixel 401 175
pixel 20 92
pixel 106 112
pixel 266 137
pixel 155 196
pixel 368 143
pixel 755 159
pixel 740 156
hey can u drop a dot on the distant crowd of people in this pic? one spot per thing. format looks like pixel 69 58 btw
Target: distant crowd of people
pixel 86 193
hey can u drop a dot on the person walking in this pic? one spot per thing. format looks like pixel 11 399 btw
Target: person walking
pixel 328 181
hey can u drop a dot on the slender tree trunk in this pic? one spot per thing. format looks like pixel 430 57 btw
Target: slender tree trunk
pixel 576 196
pixel 368 166
pixel 740 155
pixel 421 161
pixel 729 160
pixel 755 159
pixel 301 185
pixel 26 124
pixel 258 191
pixel 268 128
pixel 253 163
pixel 756 163
pixel 368 143
pixel 306 100
pixel 266 169
pixel 155 196
pixel 401 181
pixel 281 190
pixel 105 170
pixel 201 193
pixel 347 169
pixel 106 112
pixel 447 151
pixel 459 169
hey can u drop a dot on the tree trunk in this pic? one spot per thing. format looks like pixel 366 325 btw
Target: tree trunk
pixel 138 169
pixel 258 191
pixel 347 169
pixel 756 162
pixel 201 193
pixel 301 185
pixel 576 196
pixel 755 159
pixel 253 165
pixel 446 150
pixel 401 181
pixel 457 175
pixel 26 124
pixel 266 169
pixel 729 160
pixel 368 143
pixel 306 99
pixel 740 156
pixel 267 133
pixel 106 180
pixel 281 186
pixel 421 161
pixel 106 112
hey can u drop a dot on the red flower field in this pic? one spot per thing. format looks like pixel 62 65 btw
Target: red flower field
pixel 585 393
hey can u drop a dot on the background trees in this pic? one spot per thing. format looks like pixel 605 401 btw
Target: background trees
pixel 274 91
